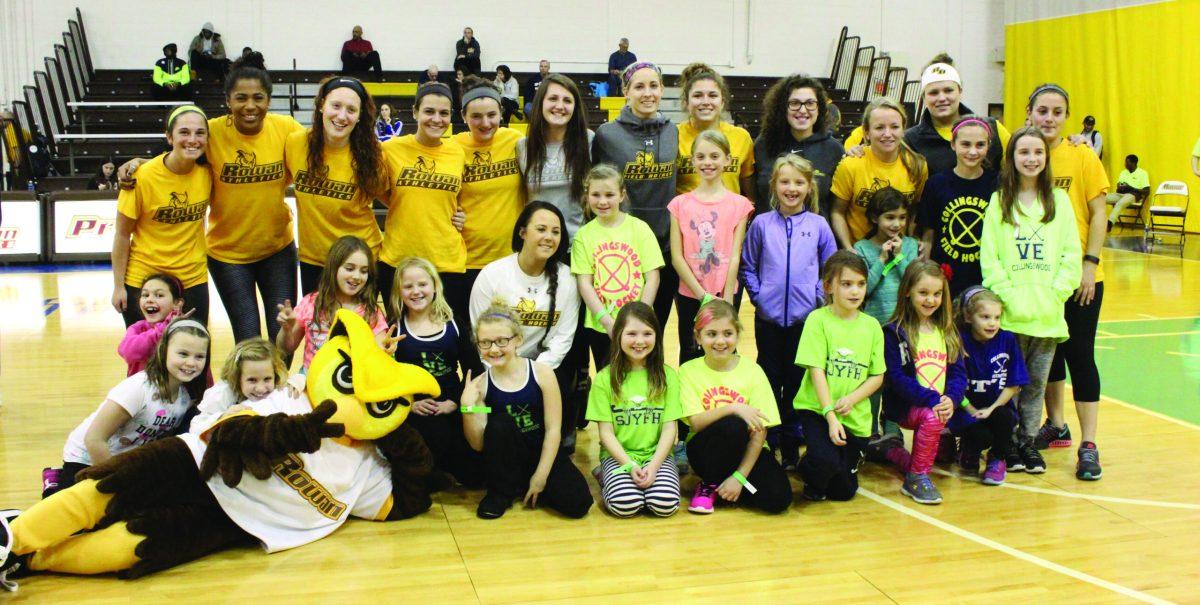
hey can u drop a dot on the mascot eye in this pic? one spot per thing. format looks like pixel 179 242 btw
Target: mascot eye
pixel 383 409
pixel 343 379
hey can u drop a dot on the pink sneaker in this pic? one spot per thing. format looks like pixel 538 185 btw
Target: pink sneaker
pixel 995 473
pixel 51 478
pixel 704 499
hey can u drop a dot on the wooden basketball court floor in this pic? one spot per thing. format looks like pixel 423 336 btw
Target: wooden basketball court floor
pixel 1134 536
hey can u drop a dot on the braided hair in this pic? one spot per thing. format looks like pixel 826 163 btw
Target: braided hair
pixel 558 258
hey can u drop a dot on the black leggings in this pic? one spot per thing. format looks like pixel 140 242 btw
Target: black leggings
pixel 1079 351
pixel 777 356
pixel 716 452
pixel 275 279
pixel 600 345
pixel 443 434
pixel 509 461
pixel 994 432
pixel 310 278
pixel 195 297
pixel 574 381
pixel 668 285
pixel 828 469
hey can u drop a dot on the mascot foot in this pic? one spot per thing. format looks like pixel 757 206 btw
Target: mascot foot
pixel 10 563
pixel 438 481
pixel 493 506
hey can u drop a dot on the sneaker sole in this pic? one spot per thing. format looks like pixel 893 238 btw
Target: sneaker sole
pixel 1057 443
pixel 991 482
pixel 1019 468
pixel 1088 476
pixel 700 511
pixel 918 500
pixel 1035 470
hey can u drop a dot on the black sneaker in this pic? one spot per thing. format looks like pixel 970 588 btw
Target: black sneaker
pixel 878 447
pixel 493 506
pixel 1013 461
pixel 9 562
pixel 968 461
pixel 811 495
pixel 1088 467
pixel 1032 459
pixel 947 448
pixel 1051 436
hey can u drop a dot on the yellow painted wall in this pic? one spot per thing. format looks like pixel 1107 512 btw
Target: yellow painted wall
pixel 1136 69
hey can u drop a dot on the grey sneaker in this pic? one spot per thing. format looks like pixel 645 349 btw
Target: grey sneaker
pixel 918 487
pixel 681 459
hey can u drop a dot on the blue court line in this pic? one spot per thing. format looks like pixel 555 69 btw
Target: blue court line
pixel 56 268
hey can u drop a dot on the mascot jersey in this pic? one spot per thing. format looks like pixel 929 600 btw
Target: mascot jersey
pixel 309 495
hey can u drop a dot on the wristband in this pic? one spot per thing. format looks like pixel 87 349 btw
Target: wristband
pixel 964 403
pixel 892 263
pixel 476 409
pixel 606 311
pixel 746 484
pixel 825 411
pixel 621 470
pixel 707 299
pixel 1091 258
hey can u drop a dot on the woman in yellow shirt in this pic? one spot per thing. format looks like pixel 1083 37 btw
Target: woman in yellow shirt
pixel 887 162
pixel 1077 170
pixel 703 96
pixel 492 196
pixel 339 172
pixel 164 215
pixel 427 173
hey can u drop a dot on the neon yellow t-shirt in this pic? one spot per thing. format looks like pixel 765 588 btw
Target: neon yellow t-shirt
pixel 741 158
pixel 856 179
pixel 329 203
pixel 425 186
pixel 930 360
pixel 248 220
pixel 1138 179
pixel 637 420
pixel 618 259
pixel 1078 171
pixel 491 196
pixel 1196 149
pixel 702 388
pixel 849 351
pixel 168 235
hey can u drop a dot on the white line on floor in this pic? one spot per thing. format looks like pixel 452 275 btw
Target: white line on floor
pixel 1013 552
pixel 1066 494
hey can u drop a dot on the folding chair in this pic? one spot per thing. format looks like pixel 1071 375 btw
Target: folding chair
pixel 1168 212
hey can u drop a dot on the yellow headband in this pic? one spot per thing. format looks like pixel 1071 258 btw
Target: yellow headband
pixel 184 109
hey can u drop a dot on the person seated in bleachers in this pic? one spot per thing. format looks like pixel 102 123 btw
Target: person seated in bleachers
pixel 431 74
pixel 531 85
pixel 467 53
pixel 359 56
pixel 172 77
pixel 617 62
pixel 1133 185
pixel 509 92
pixel 207 53
pixel 105 178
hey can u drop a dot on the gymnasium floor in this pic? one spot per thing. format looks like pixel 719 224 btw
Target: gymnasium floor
pixel 1135 535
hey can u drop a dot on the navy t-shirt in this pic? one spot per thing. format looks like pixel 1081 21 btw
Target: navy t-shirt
pixel 991 366
pixel 953 207
pixel 440 354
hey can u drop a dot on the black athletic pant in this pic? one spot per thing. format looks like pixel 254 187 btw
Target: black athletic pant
pixel 195 297
pixel 180 93
pixel 668 285
pixel 828 469
pixel 359 65
pixel 1078 353
pixel 777 357
pixel 310 278
pixel 203 63
pixel 716 452
pixel 274 277
pixel 443 434
pixel 574 381
pixel 509 461
pixel 994 432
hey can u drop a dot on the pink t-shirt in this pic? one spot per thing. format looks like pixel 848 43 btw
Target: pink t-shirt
pixel 317 332
pixel 707 229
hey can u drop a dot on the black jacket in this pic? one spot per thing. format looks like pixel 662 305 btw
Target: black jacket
pixel 824 151
pixel 925 140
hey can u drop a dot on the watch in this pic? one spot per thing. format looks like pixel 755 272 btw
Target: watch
pixel 1095 260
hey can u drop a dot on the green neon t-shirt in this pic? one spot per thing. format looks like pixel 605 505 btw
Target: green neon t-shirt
pixel 637 420
pixel 618 259
pixel 849 351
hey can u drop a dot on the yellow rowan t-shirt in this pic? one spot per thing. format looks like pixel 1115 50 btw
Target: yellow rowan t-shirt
pixel 491 196
pixel 741 158
pixel 168 211
pixel 329 203
pixel 1078 171
pixel 856 179
pixel 424 196
pixel 248 220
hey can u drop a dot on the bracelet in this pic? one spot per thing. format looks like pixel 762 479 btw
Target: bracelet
pixel 964 403
pixel 1091 258
pixel 892 263
pixel 621 470
pixel 707 299
pixel 606 311
pixel 742 479
pixel 825 411
pixel 475 409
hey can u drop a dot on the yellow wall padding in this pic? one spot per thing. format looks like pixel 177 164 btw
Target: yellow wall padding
pixel 1136 69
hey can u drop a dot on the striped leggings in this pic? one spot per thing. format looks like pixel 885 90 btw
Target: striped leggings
pixel 623 498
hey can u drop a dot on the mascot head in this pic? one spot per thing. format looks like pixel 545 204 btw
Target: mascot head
pixel 373 392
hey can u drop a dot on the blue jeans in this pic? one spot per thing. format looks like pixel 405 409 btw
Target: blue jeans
pixel 274 277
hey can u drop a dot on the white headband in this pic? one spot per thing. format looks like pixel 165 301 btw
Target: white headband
pixel 939 72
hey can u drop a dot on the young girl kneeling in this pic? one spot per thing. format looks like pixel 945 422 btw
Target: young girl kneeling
pixel 728 403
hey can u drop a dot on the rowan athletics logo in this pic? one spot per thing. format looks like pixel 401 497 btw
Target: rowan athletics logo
pixel 317 183
pixel 245 170
pixel 686 167
pixel 528 315
pixel 864 195
pixel 618 277
pixel 178 210
pixel 481 168
pixel 424 174
pixel 1063 182
pixel 644 168
pixel 291 470
pixel 962 226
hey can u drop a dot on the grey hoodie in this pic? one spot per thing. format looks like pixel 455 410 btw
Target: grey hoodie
pixel 644 150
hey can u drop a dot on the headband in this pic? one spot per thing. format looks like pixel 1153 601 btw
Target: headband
pixel 970 121
pixel 351 83
pixel 182 109
pixel 627 75
pixel 186 323
pixel 939 72
pixel 480 92
pixel 433 88
pixel 1048 88
pixel 968 294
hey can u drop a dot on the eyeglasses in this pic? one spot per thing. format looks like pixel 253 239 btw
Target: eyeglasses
pixel 499 342
pixel 810 104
